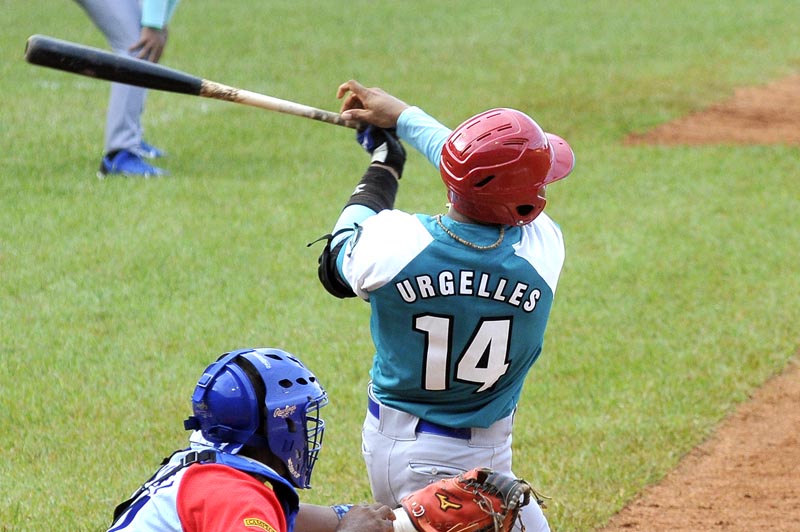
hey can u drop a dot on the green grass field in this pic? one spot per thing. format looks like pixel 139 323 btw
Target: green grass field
pixel 679 296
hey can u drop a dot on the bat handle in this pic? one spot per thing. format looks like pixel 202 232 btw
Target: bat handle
pixel 219 91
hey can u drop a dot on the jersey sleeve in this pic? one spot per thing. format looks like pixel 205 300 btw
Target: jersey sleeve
pixel 423 132
pixel 542 245
pixel 157 13
pixel 214 497
pixel 381 248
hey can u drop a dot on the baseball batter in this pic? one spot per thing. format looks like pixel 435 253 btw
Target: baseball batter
pixel 459 301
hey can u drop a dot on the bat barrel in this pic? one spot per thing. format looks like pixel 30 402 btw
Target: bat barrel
pixel 78 59
pixel 93 62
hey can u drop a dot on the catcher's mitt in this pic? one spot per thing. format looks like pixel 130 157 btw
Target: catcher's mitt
pixel 480 500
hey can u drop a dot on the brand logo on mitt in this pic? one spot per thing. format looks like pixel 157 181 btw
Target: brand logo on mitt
pixel 258 523
pixel 284 412
pixel 445 504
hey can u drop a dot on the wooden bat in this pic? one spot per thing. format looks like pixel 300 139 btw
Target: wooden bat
pixel 95 63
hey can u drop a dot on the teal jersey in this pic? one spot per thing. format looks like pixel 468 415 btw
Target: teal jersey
pixel 455 329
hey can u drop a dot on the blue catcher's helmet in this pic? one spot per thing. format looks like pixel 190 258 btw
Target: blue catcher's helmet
pixel 264 398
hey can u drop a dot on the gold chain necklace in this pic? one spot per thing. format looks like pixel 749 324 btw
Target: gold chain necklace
pixel 467 242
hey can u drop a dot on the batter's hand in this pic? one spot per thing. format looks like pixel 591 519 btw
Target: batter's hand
pixel 367 518
pixel 371 105
pixel 151 44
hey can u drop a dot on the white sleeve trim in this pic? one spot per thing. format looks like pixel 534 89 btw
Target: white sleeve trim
pixel 381 248
pixel 542 245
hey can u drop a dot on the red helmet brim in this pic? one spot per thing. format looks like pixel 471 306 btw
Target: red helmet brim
pixel 563 159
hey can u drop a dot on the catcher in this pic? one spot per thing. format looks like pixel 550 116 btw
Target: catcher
pixel 256 437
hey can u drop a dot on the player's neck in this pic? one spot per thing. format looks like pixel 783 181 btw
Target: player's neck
pixel 458 217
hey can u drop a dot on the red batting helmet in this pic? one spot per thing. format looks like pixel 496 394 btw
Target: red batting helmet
pixel 497 163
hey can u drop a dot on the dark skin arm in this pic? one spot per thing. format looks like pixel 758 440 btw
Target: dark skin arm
pixel 367 518
pixel 360 518
pixel 151 44
pixel 371 105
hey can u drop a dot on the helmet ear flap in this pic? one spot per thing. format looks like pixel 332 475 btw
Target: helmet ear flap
pixel 530 211
pixel 227 407
pixel 523 211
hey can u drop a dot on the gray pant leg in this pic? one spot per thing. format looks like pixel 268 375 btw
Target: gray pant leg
pixel 120 22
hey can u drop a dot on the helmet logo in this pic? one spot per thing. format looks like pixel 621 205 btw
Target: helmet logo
pixel 285 412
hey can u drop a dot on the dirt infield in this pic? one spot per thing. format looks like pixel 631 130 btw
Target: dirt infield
pixel 769 114
pixel 747 475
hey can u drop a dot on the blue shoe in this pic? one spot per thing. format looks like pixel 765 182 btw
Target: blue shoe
pixel 149 151
pixel 128 164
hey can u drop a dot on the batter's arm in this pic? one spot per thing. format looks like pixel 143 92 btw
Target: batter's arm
pixel 423 133
pixel 375 192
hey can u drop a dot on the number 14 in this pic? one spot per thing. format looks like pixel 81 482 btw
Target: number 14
pixel 483 361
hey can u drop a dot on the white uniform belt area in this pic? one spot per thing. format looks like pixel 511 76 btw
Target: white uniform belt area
pixel 400 425
pixel 425 426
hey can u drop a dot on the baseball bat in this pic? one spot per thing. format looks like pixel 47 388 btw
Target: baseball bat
pixel 95 63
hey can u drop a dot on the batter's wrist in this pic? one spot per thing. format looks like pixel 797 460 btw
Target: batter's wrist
pixel 386 167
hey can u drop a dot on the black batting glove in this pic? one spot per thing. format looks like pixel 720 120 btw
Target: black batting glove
pixel 384 146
